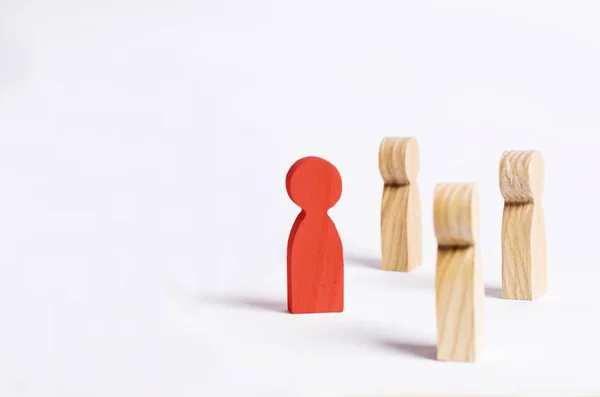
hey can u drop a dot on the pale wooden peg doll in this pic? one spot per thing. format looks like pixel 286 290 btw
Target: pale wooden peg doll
pixel 521 176
pixel 458 280
pixel 401 229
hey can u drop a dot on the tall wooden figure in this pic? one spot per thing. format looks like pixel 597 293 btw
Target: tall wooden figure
pixel 458 277
pixel 315 263
pixel 523 233
pixel 401 231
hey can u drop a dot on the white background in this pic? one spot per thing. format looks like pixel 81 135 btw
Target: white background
pixel 144 218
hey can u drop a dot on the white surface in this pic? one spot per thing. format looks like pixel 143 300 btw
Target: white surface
pixel 144 217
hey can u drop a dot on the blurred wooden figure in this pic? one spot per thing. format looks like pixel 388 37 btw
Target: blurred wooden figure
pixel 315 263
pixel 458 277
pixel 521 176
pixel 401 230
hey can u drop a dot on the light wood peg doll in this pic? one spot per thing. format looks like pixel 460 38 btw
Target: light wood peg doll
pixel 401 229
pixel 458 276
pixel 521 177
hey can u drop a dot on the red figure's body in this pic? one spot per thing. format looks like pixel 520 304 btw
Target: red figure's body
pixel 315 261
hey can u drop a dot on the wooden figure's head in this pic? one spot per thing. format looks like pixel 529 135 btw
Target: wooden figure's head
pixel 521 175
pixel 456 214
pixel 399 160
pixel 314 184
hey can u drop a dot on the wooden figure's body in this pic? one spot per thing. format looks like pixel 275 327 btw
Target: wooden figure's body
pixel 401 230
pixel 459 279
pixel 315 264
pixel 521 177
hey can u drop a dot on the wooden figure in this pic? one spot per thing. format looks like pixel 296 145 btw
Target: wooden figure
pixel 458 279
pixel 523 233
pixel 315 264
pixel 401 231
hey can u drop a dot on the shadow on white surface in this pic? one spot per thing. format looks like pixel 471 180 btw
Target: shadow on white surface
pixel 12 71
pixel 493 292
pixel 412 280
pixel 409 348
pixel 247 302
pixel 355 259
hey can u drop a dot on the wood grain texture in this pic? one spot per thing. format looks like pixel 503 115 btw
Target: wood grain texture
pixel 401 229
pixel 459 279
pixel 315 264
pixel 524 268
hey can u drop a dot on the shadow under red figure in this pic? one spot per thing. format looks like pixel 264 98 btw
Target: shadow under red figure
pixel 315 260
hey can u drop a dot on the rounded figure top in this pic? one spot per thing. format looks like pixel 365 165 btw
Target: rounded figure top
pixel 521 176
pixel 456 214
pixel 314 184
pixel 399 160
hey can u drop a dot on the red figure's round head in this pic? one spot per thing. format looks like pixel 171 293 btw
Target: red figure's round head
pixel 314 184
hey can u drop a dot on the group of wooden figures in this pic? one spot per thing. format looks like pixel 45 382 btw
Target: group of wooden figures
pixel 315 265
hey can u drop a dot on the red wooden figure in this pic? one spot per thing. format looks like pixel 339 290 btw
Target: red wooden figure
pixel 315 262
